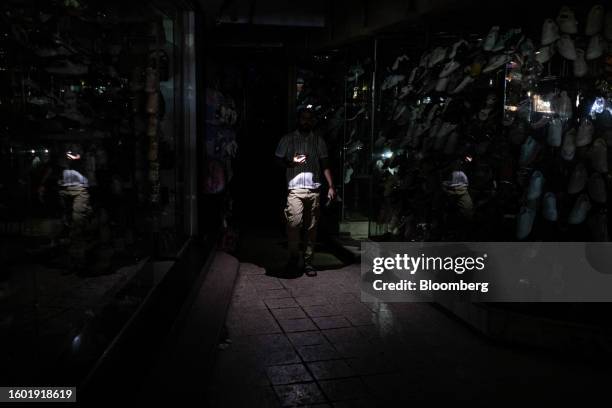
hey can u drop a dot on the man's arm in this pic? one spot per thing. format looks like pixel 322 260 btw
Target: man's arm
pixel 323 157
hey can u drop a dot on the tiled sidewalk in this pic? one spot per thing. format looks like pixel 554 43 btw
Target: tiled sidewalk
pixel 310 341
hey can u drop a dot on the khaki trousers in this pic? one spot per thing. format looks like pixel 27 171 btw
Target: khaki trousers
pixel 302 209
pixel 77 215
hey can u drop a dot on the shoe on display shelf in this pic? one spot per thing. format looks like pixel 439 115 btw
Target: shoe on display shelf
pixel 585 133
pixel 578 179
pixel 392 81
pixel 398 61
pixel 599 156
pixel 509 40
pixel 437 55
pixel 524 222
pixel 536 182
pixel 450 67
pixel 529 151
pixel 595 20
pixel 562 105
pixel 455 49
pixel 566 47
pixel 596 47
pixel 355 72
pixel 580 210
pixel 597 188
pixel 491 39
pixel 580 65
pixel 554 136
pixel 496 62
pixel 544 54
pixel 568 148
pixel 550 32
pixel 549 207
pixel 566 21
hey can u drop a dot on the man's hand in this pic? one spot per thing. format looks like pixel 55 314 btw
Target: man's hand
pixel 299 159
pixel 331 193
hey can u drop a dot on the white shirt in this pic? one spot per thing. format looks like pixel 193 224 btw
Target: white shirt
pixel 306 175
pixel 73 178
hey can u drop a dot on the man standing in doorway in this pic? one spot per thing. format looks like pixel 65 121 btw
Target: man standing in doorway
pixel 304 154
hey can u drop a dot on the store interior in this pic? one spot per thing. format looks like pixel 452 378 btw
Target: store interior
pixel 445 121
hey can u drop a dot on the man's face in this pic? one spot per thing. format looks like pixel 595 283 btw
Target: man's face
pixel 305 121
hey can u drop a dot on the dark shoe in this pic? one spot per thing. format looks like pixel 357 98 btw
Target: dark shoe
pixel 310 270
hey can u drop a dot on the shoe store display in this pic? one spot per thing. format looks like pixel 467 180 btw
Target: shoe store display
pixel 523 118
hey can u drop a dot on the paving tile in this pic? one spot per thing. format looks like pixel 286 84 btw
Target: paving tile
pixel 331 322
pixel 320 310
pixel 297 325
pixel 288 313
pixel 343 334
pixel 330 369
pixel 312 300
pixel 318 352
pixel 340 298
pixel 274 294
pixel 288 374
pixel 299 394
pixel 308 338
pixel 277 357
pixel 343 389
pixel 279 303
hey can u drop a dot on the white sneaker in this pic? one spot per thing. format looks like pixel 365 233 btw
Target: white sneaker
pixel 438 55
pixel 496 62
pixel 524 222
pixel 599 156
pixel 597 188
pixel 595 48
pixel 580 65
pixel 608 26
pixel 578 179
pixel 463 84
pixel 544 54
pixel 529 151
pixel 595 20
pixel 412 75
pixel 550 32
pixel 585 133
pixel 579 212
pixel 491 39
pixel 450 67
pixel 536 182
pixel 549 207
pixel 568 149
pixel 555 132
pixel 566 47
pixel 567 21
